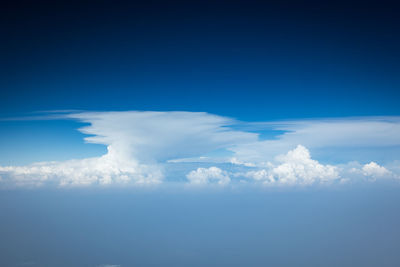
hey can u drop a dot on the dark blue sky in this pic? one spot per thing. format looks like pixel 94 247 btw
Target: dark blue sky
pixel 249 60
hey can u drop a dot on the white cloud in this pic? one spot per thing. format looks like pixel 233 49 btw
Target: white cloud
pixel 105 170
pixel 262 175
pixel 371 172
pixel 372 134
pixel 141 145
pixel 298 167
pixel 239 162
pixel 374 170
pixel 161 136
pixel 138 144
pixel 295 167
pixel 203 176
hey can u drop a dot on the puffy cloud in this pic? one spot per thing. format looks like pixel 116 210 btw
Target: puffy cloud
pixel 203 176
pixel 262 175
pixel 106 170
pixel 294 168
pixel 298 167
pixel 374 170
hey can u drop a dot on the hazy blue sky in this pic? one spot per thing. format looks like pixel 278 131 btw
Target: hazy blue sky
pixel 196 133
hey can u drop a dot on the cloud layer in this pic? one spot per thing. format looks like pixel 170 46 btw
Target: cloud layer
pixel 338 138
pixel 142 146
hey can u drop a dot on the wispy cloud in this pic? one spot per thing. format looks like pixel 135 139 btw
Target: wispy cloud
pixel 322 134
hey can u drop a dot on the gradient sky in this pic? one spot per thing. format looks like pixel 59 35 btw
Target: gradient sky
pixel 250 61
pixel 285 150
pixel 305 59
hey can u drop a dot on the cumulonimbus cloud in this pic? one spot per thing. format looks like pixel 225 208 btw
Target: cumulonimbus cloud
pixel 141 145
pixel 137 144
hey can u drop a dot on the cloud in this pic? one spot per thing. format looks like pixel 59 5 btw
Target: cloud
pixel 138 144
pixel 295 167
pixel 262 175
pixel 142 145
pixel 374 170
pixel 105 170
pixel 161 136
pixel 298 167
pixel 239 162
pixel 203 176
pixel 334 137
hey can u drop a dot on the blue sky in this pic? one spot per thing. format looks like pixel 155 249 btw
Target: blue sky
pixel 208 133
pixel 253 62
